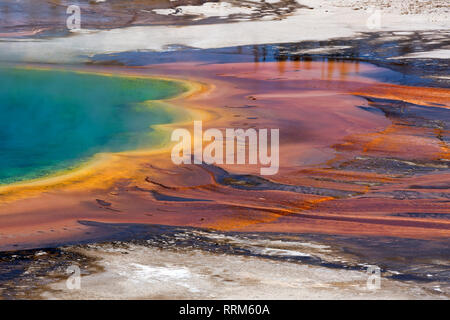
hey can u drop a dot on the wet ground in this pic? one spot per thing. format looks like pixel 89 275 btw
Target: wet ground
pixel 312 206
pixel 419 267
pixel 31 273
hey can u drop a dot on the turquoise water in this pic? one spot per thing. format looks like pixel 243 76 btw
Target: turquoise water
pixel 55 120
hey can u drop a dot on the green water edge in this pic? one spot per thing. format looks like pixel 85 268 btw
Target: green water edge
pixel 54 121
